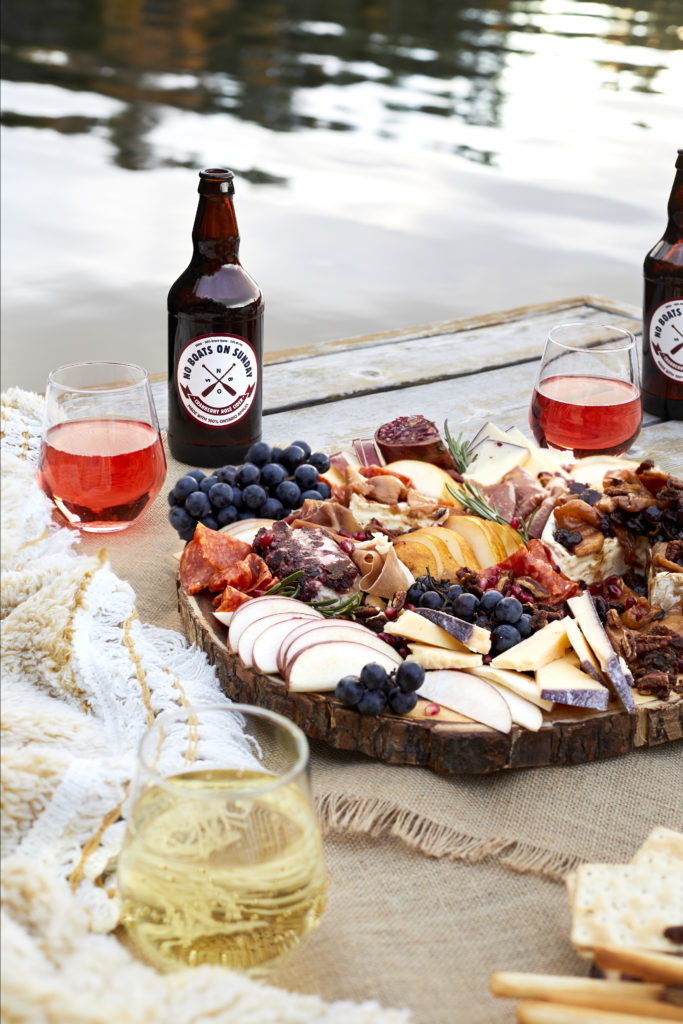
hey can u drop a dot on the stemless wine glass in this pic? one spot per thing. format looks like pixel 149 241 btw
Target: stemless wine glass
pixel 587 393
pixel 101 457
pixel 223 860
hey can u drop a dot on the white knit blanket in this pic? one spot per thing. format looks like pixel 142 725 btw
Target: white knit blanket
pixel 82 679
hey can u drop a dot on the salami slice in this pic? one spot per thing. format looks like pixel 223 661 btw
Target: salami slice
pixel 207 553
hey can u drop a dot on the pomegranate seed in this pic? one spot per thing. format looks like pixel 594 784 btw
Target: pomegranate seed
pixel 344 533
pixel 487 659
pixel 514 523
pixel 612 581
pixel 409 607
pixel 266 540
pixel 390 613
pixel 595 589
pixel 388 639
pixel 359 536
pixel 404 651
pixel 431 709
pixel 347 546
pixel 630 601
pixel 614 590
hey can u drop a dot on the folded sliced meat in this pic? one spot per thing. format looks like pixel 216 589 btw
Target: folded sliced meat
pixel 329 514
pixel 529 493
pixel 502 496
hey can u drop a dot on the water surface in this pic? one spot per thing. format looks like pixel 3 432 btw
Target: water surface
pixel 398 164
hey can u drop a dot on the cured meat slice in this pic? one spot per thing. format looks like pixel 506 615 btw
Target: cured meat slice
pixel 208 552
pixel 248 574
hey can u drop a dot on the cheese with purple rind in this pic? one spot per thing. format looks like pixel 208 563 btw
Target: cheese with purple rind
pixel 585 613
pixel 475 638
pixel 563 682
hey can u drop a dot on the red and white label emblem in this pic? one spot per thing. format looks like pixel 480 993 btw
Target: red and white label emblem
pixel 666 338
pixel 216 378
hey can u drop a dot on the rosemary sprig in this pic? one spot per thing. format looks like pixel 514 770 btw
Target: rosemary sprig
pixel 458 449
pixel 289 586
pixel 332 609
pixel 471 497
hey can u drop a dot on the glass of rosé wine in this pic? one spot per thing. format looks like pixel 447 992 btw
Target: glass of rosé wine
pixel 102 462
pixel 586 398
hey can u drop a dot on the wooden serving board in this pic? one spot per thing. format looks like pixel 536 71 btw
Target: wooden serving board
pixel 447 743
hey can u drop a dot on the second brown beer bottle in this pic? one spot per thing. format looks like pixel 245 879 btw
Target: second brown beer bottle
pixel 215 338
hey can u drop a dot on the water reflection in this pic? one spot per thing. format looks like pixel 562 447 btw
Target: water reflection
pixel 371 66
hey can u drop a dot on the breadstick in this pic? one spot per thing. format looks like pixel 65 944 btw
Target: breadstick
pixel 561 989
pixel 560 1013
pixel 661 967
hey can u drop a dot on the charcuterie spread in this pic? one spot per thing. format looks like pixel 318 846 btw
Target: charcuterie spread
pixel 486 581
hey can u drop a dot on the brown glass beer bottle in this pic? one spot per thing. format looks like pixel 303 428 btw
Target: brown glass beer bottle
pixel 663 313
pixel 215 338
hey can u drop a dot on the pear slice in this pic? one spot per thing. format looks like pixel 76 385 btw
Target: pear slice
pixel 488 548
pixel 469 696
pixel 585 613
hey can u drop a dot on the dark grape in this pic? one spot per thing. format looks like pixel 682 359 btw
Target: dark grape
pixel 320 461
pixel 489 599
pixel 186 485
pixel 508 610
pixel 226 515
pixel 373 702
pixel 523 625
pixel 245 514
pixel 310 495
pixel 275 454
pixel 172 500
pixel 293 456
pixel 220 495
pixel 247 474
pixel 209 522
pixel 198 504
pixel 430 599
pixel 454 591
pixel 409 676
pixel 197 474
pixel 504 637
pixel 401 702
pixel 237 498
pixel 323 489
pixel 186 534
pixel 306 476
pixel 207 483
pixel 273 509
pixel 414 593
pixel 180 519
pixel 289 494
pixel 304 445
pixel 465 606
pixel 349 690
pixel 259 453
pixel 254 497
pixel 373 676
pixel 226 474
pixel 273 474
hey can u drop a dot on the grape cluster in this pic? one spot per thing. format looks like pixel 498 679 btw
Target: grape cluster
pixel 375 689
pixel 505 616
pixel 269 484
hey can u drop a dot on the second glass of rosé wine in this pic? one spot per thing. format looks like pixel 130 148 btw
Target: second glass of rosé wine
pixel 586 398
pixel 102 462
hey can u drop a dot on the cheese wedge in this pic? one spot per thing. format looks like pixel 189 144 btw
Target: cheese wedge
pixel 584 611
pixel 563 682
pixel 538 649
pixel 412 626
pixel 494 459
pixel 439 657
pixel 587 660
pixel 519 683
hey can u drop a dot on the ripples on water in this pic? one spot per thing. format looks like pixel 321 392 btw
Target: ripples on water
pixel 490 122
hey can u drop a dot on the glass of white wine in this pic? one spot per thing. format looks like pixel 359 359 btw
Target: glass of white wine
pixel 222 864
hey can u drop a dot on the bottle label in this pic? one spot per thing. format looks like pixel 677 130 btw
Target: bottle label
pixel 216 379
pixel 666 338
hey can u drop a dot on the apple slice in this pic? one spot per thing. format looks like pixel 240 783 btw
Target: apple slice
pixel 517 682
pixel 586 615
pixel 248 636
pixel 523 712
pixel 319 667
pixel 309 625
pixel 439 657
pixel 267 644
pixel 257 607
pixel 563 682
pixel 474 638
pixel 538 649
pixel 468 695
pixel 335 630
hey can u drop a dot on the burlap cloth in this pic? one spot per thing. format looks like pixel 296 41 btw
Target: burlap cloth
pixel 435 882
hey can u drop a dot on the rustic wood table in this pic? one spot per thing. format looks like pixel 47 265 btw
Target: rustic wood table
pixel 465 371
pixel 437 881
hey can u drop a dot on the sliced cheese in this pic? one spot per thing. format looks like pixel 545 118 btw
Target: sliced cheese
pixel 411 626
pixel 438 657
pixel 538 649
pixel 494 459
pixel 563 682
pixel 523 685
pixel 587 660
pixel 583 609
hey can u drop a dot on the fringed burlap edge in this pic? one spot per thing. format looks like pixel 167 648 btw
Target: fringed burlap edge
pixel 339 812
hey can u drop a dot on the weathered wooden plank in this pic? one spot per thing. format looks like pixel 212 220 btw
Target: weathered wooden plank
pixel 393 361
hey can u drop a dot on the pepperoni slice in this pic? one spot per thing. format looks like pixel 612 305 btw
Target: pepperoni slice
pixel 247 574
pixel 207 553
pixel 231 599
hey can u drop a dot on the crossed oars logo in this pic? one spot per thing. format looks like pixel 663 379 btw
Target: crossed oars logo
pixel 217 381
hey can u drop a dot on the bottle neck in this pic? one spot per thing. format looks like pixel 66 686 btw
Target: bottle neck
pixel 215 235
pixel 675 205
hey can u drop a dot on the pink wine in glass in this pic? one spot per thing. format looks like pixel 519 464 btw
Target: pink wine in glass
pixel 102 474
pixel 586 415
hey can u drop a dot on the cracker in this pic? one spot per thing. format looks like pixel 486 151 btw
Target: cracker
pixel 627 906
pixel 661 851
